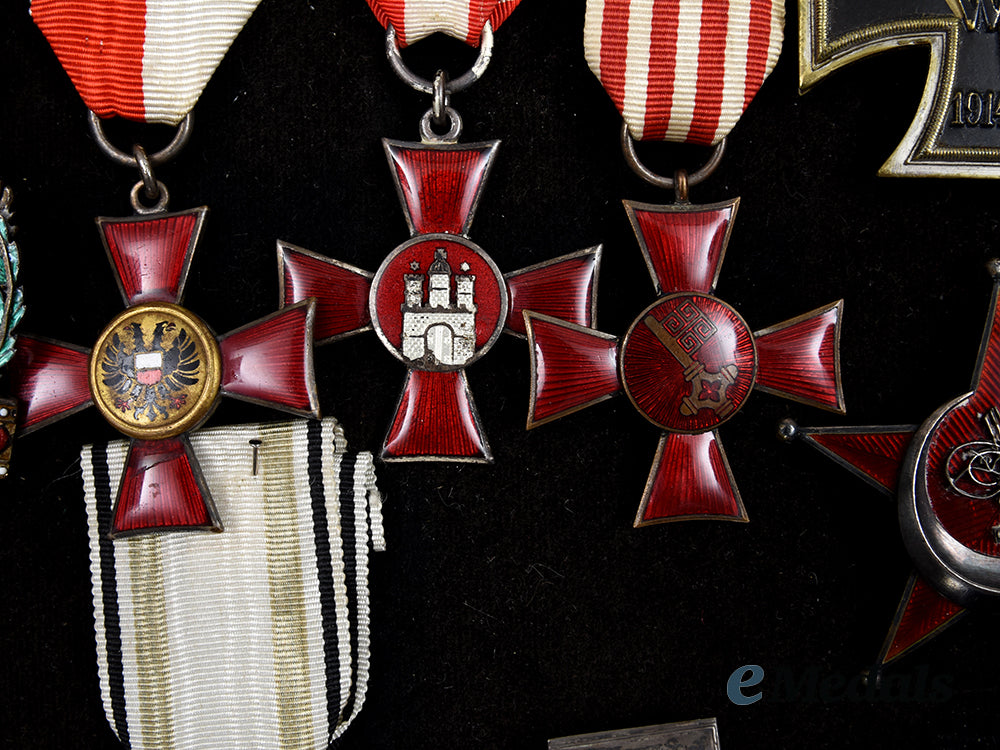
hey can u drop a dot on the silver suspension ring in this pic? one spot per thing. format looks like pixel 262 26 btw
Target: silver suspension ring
pixel 427 87
pixel 129 160
pixel 628 148
pixel 427 134
pixel 149 180
pixel 161 204
pixel 442 99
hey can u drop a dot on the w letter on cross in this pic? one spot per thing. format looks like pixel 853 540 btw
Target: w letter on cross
pixel 956 130
pixel 976 12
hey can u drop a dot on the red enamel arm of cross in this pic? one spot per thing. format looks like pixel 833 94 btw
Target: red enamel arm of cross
pixel 267 362
pixel 574 366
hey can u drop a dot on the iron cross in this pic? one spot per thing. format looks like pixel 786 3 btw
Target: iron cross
pixel 701 734
pixel 956 131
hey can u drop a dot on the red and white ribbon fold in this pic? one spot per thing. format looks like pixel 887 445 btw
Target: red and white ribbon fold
pixel 146 60
pixel 682 70
pixel 462 19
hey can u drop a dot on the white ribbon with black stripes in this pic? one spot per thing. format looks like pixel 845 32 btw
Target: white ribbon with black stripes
pixel 255 637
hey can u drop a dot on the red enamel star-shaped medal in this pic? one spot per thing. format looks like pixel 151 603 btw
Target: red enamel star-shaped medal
pixel 945 475
pixel 687 362
pixel 438 302
pixel 157 372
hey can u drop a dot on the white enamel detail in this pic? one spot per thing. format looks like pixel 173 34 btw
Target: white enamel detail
pixel 443 330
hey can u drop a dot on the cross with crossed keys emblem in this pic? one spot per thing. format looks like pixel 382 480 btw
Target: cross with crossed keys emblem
pixel 956 131
pixel 687 363
pixel 708 389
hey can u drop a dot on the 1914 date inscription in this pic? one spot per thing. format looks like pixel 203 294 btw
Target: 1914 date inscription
pixel 972 109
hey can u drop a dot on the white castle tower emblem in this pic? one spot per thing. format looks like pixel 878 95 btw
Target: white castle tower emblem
pixel 443 331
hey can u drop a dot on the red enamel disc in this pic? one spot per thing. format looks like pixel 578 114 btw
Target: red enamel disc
pixel 688 362
pixel 438 302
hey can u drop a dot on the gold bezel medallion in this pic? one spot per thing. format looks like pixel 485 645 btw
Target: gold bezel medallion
pixel 155 371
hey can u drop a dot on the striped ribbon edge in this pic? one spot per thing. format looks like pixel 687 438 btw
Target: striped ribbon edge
pixel 97 484
pixel 146 60
pixel 358 519
pixel 682 70
pixel 353 567
pixel 463 19
pixel 353 521
pixel 324 569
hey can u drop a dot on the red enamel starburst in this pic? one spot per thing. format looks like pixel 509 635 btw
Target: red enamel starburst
pixel 687 363
pixel 438 302
pixel 157 372
pixel 946 477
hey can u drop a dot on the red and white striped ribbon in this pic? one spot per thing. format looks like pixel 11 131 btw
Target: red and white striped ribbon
pixel 145 60
pixel 682 70
pixel 462 19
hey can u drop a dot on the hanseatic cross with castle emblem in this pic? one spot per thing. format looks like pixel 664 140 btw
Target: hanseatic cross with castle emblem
pixel 687 362
pixel 438 302
pixel 956 131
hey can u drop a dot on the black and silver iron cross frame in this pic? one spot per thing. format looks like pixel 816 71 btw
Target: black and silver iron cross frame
pixel 956 129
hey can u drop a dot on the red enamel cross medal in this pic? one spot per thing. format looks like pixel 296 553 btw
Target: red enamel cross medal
pixel 689 360
pixel 259 636
pixel 157 372
pixel 945 475
pixel 438 302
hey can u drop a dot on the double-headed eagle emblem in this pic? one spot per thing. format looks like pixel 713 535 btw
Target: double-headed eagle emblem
pixel 150 379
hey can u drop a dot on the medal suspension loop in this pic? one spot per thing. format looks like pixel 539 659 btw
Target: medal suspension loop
pixel 681 180
pixel 441 114
pixel 150 187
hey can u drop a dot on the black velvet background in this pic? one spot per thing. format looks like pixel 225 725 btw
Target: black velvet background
pixel 516 602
